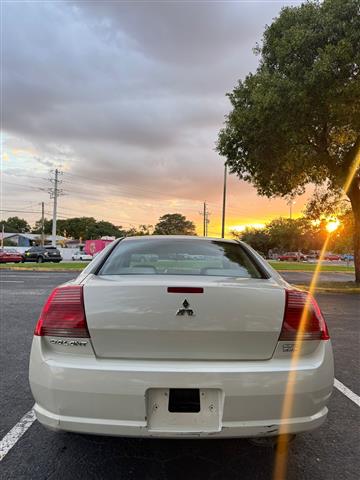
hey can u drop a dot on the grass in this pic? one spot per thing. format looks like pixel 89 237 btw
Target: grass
pixel 47 266
pixel 78 266
pixel 310 267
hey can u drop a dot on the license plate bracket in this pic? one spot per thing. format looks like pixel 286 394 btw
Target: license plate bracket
pixel 184 410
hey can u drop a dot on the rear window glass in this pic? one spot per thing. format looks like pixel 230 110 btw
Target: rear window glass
pixel 180 257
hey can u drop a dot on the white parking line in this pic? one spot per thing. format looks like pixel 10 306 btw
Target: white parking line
pixel 29 418
pixel 11 281
pixel 16 433
pixel 347 392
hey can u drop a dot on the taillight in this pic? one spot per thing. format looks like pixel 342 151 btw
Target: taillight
pixel 63 314
pixel 303 319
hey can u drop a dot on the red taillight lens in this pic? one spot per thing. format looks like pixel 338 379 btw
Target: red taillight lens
pixel 63 314
pixel 303 319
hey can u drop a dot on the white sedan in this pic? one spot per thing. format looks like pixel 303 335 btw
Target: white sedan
pixel 82 256
pixel 204 340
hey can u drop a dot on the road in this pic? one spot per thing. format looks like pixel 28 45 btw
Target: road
pixel 301 278
pixel 332 452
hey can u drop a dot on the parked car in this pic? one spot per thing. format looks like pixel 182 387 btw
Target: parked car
pixel 82 256
pixel 42 254
pixel 347 257
pixel 180 349
pixel 292 257
pixel 10 256
pixel 332 257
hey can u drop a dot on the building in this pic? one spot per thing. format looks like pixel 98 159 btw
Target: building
pixel 28 239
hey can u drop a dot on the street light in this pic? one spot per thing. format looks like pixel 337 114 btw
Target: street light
pixel 291 202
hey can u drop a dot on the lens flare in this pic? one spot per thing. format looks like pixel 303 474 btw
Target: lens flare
pixel 281 457
pixel 332 225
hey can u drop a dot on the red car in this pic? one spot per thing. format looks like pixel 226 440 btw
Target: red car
pixel 10 256
pixel 332 257
pixel 292 257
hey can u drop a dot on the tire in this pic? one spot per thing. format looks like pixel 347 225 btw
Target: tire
pixel 39 260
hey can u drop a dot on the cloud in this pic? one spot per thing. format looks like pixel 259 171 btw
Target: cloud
pixel 128 93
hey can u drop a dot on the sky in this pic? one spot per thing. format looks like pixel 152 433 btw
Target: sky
pixel 126 99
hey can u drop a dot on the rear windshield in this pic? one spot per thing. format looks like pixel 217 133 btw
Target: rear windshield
pixel 180 257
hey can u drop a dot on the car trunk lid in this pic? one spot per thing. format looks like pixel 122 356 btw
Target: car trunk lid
pixel 137 317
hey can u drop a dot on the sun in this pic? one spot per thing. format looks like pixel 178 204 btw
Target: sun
pixel 332 225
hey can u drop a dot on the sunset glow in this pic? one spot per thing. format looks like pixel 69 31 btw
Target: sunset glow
pixel 332 225
pixel 242 228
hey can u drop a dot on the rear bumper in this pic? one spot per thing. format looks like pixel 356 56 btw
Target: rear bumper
pixel 126 428
pixel 81 393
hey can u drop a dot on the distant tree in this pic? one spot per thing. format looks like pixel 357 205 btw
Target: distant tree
pixel 325 204
pixel 297 119
pixel 139 232
pixel 47 227
pixel 341 239
pixel 293 234
pixel 174 224
pixel 103 229
pixel 81 227
pixel 257 238
pixel 15 225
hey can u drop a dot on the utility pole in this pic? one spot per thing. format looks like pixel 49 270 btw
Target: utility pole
pixel 42 224
pixel 204 214
pixel 2 236
pixel 224 204
pixel 55 193
pixel 207 222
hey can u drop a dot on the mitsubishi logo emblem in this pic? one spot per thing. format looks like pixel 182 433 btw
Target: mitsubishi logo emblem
pixel 185 310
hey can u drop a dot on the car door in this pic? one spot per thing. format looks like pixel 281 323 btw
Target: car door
pixel 32 254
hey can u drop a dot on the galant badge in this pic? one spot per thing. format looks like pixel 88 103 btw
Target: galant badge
pixel 185 310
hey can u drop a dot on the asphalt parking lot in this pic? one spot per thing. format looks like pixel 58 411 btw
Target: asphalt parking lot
pixel 331 452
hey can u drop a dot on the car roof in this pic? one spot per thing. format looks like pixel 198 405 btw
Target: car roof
pixel 178 237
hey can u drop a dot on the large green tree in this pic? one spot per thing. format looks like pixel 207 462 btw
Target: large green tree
pixel 81 227
pixel 15 225
pixel 297 119
pixel 174 224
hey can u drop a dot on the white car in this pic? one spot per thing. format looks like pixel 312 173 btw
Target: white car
pixel 82 256
pixel 213 347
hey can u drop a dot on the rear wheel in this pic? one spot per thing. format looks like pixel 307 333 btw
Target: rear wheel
pixel 39 260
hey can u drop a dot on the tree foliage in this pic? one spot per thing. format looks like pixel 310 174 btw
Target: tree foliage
pixel 15 225
pixel 284 235
pixel 81 227
pixel 174 224
pixel 297 119
pixel 325 204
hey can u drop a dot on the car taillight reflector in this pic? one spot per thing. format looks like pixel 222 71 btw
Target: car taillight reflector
pixel 63 314
pixel 303 319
